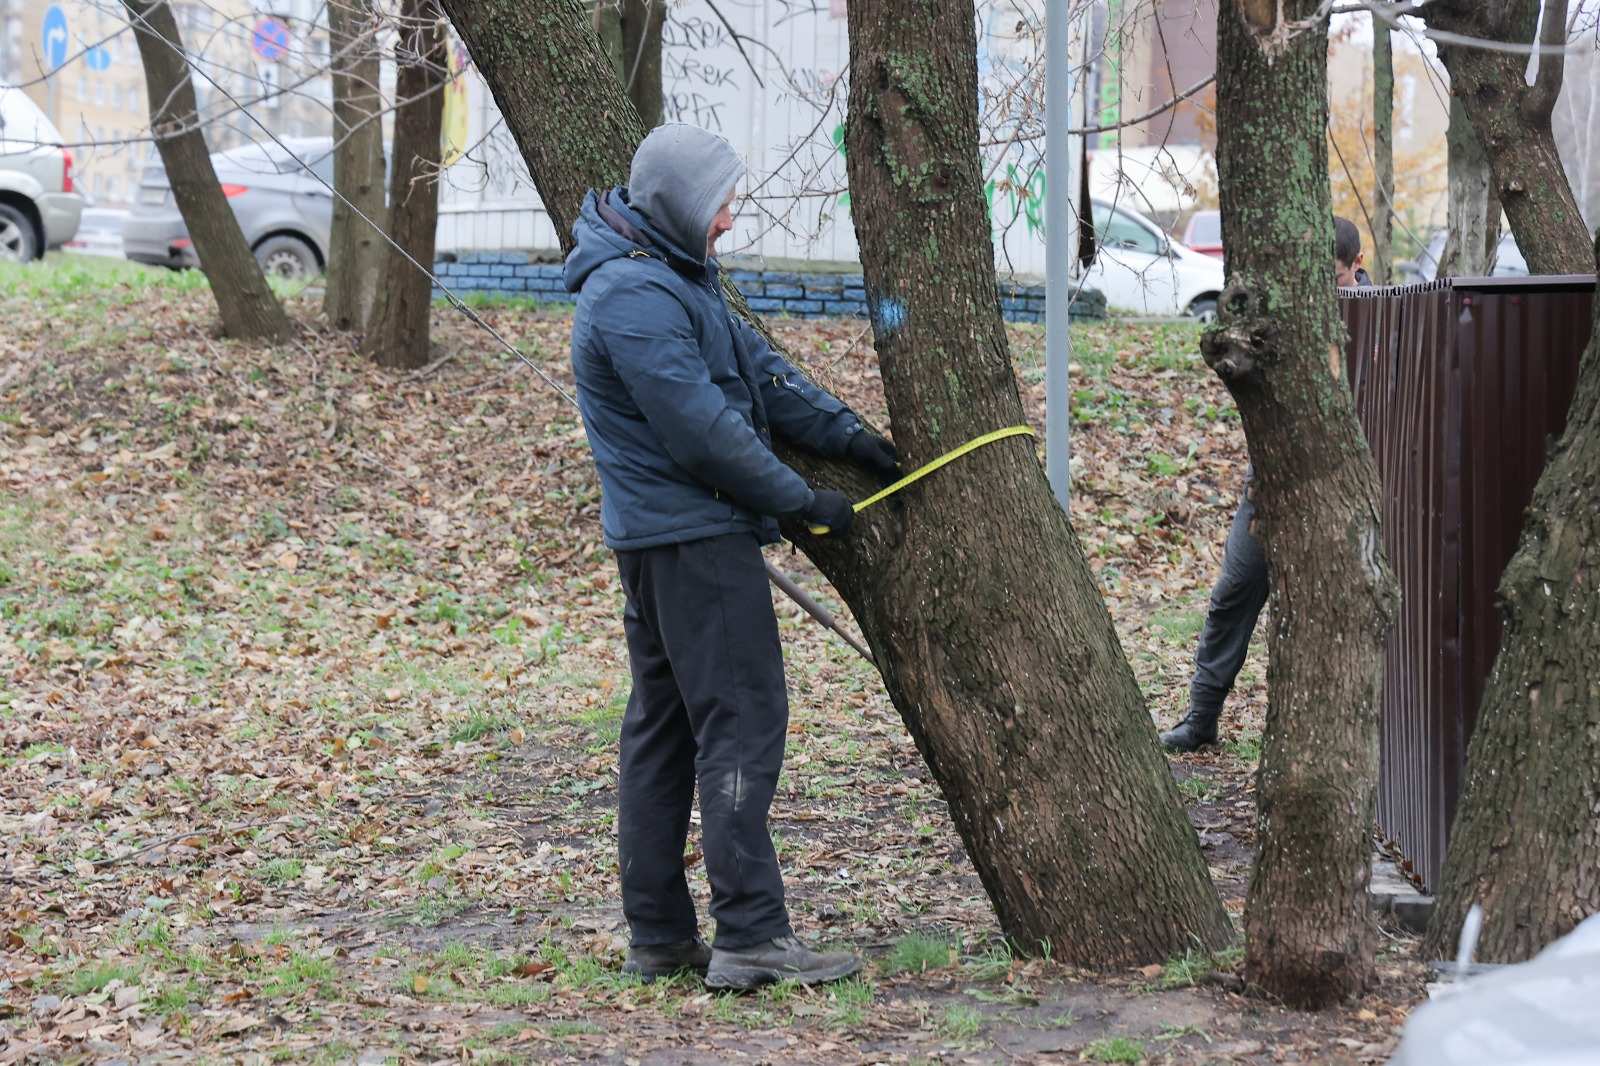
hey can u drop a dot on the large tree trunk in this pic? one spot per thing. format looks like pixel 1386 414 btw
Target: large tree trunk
pixel 1382 152
pixel 355 249
pixel 1526 839
pixel 630 33
pixel 397 335
pixel 245 303
pixel 1474 210
pixel 994 642
pixel 1513 122
pixel 1308 930
pixel 1023 706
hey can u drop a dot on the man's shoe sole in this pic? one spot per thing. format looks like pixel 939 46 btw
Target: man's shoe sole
pixel 742 977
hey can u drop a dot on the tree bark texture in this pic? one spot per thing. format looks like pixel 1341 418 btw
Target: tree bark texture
pixel 995 644
pixel 1513 123
pixel 397 334
pixel 1308 930
pixel 1474 210
pixel 630 33
pixel 355 249
pixel 999 649
pixel 1526 839
pixel 1382 152
pixel 246 305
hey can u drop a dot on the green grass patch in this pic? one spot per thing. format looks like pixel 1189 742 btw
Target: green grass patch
pixel 1199 789
pixel 1115 1049
pixel 1246 747
pixel 1179 628
pixel 960 1022
pixel 94 978
pixel 1186 970
pixel 301 975
pixel 917 953
pixel 282 871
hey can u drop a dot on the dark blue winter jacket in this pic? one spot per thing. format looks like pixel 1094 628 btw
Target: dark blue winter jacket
pixel 680 396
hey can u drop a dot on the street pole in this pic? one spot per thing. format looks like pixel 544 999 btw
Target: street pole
pixel 1057 248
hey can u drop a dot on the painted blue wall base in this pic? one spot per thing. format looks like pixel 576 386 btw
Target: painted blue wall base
pixel 768 291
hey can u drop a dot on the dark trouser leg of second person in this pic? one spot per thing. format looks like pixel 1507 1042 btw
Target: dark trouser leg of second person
pixel 1236 602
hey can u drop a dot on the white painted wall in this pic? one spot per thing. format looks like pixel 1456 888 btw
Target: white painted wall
pixel 782 129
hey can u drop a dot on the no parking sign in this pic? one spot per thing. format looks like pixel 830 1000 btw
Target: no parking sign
pixel 270 39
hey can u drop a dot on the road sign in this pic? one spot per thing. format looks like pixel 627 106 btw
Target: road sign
pixel 55 37
pixel 270 40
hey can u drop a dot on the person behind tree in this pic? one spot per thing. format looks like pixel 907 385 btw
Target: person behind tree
pixel 1241 589
pixel 680 401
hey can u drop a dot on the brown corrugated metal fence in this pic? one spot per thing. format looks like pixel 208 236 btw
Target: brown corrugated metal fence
pixel 1458 384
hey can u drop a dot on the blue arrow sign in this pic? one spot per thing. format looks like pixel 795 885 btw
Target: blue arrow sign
pixel 55 37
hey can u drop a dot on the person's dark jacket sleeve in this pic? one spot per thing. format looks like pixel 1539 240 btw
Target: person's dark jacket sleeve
pixel 797 410
pixel 655 352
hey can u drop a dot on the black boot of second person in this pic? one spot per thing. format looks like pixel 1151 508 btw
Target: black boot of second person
pixel 1196 730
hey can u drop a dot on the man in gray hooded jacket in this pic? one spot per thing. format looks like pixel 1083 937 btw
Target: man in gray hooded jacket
pixel 680 401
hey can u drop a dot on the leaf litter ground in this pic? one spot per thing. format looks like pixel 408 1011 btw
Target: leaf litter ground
pixel 311 677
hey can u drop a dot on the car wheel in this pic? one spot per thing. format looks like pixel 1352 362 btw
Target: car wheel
pixel 1204 309
pixel 17 241
pixel 289 258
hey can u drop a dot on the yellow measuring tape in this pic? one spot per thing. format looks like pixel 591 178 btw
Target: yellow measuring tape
pixel 923 471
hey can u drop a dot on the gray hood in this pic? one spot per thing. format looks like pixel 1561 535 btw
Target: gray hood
pixel 680 176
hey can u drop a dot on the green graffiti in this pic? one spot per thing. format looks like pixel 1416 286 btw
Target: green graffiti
pixel 1111 72
pixel 1024 193
pixel 838 146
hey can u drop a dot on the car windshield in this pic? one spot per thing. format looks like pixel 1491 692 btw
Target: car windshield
pixel 1118 230
pixel 1205 228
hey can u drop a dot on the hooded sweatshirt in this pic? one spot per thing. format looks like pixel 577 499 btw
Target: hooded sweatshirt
pixel 680 397
pixel 680 178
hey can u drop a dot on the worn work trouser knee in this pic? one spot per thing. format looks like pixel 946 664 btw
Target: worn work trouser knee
pixel 1236 602
pixel 709 704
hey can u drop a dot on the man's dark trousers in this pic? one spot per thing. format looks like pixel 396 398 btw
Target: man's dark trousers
pixel 1236 602
pixel 709 703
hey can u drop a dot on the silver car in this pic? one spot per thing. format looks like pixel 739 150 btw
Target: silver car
pixel 285 213
pixel 39 208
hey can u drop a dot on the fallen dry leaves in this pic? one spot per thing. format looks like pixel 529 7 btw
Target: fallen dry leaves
pixel 311 680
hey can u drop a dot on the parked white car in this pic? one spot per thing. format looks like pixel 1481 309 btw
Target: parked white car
pixel 1143 270
pixel 38 207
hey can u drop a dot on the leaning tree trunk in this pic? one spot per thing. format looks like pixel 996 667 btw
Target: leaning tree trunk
pixel 630 33
pixel 1474 210
pixel 397 335
pixel 245 303
pixel 994 642
pixel 1526 839
pixel 1513 122
pixel 1308 930
pixel 355 248
pixel 1382 152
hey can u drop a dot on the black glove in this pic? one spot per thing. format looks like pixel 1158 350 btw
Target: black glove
pixel 875 454
pixel 831 509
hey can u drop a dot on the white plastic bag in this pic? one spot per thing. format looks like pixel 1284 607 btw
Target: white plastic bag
pixel 1543 1012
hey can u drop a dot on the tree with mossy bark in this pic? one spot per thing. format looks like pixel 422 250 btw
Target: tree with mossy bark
pixel 1308 931
pixel 1512 119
